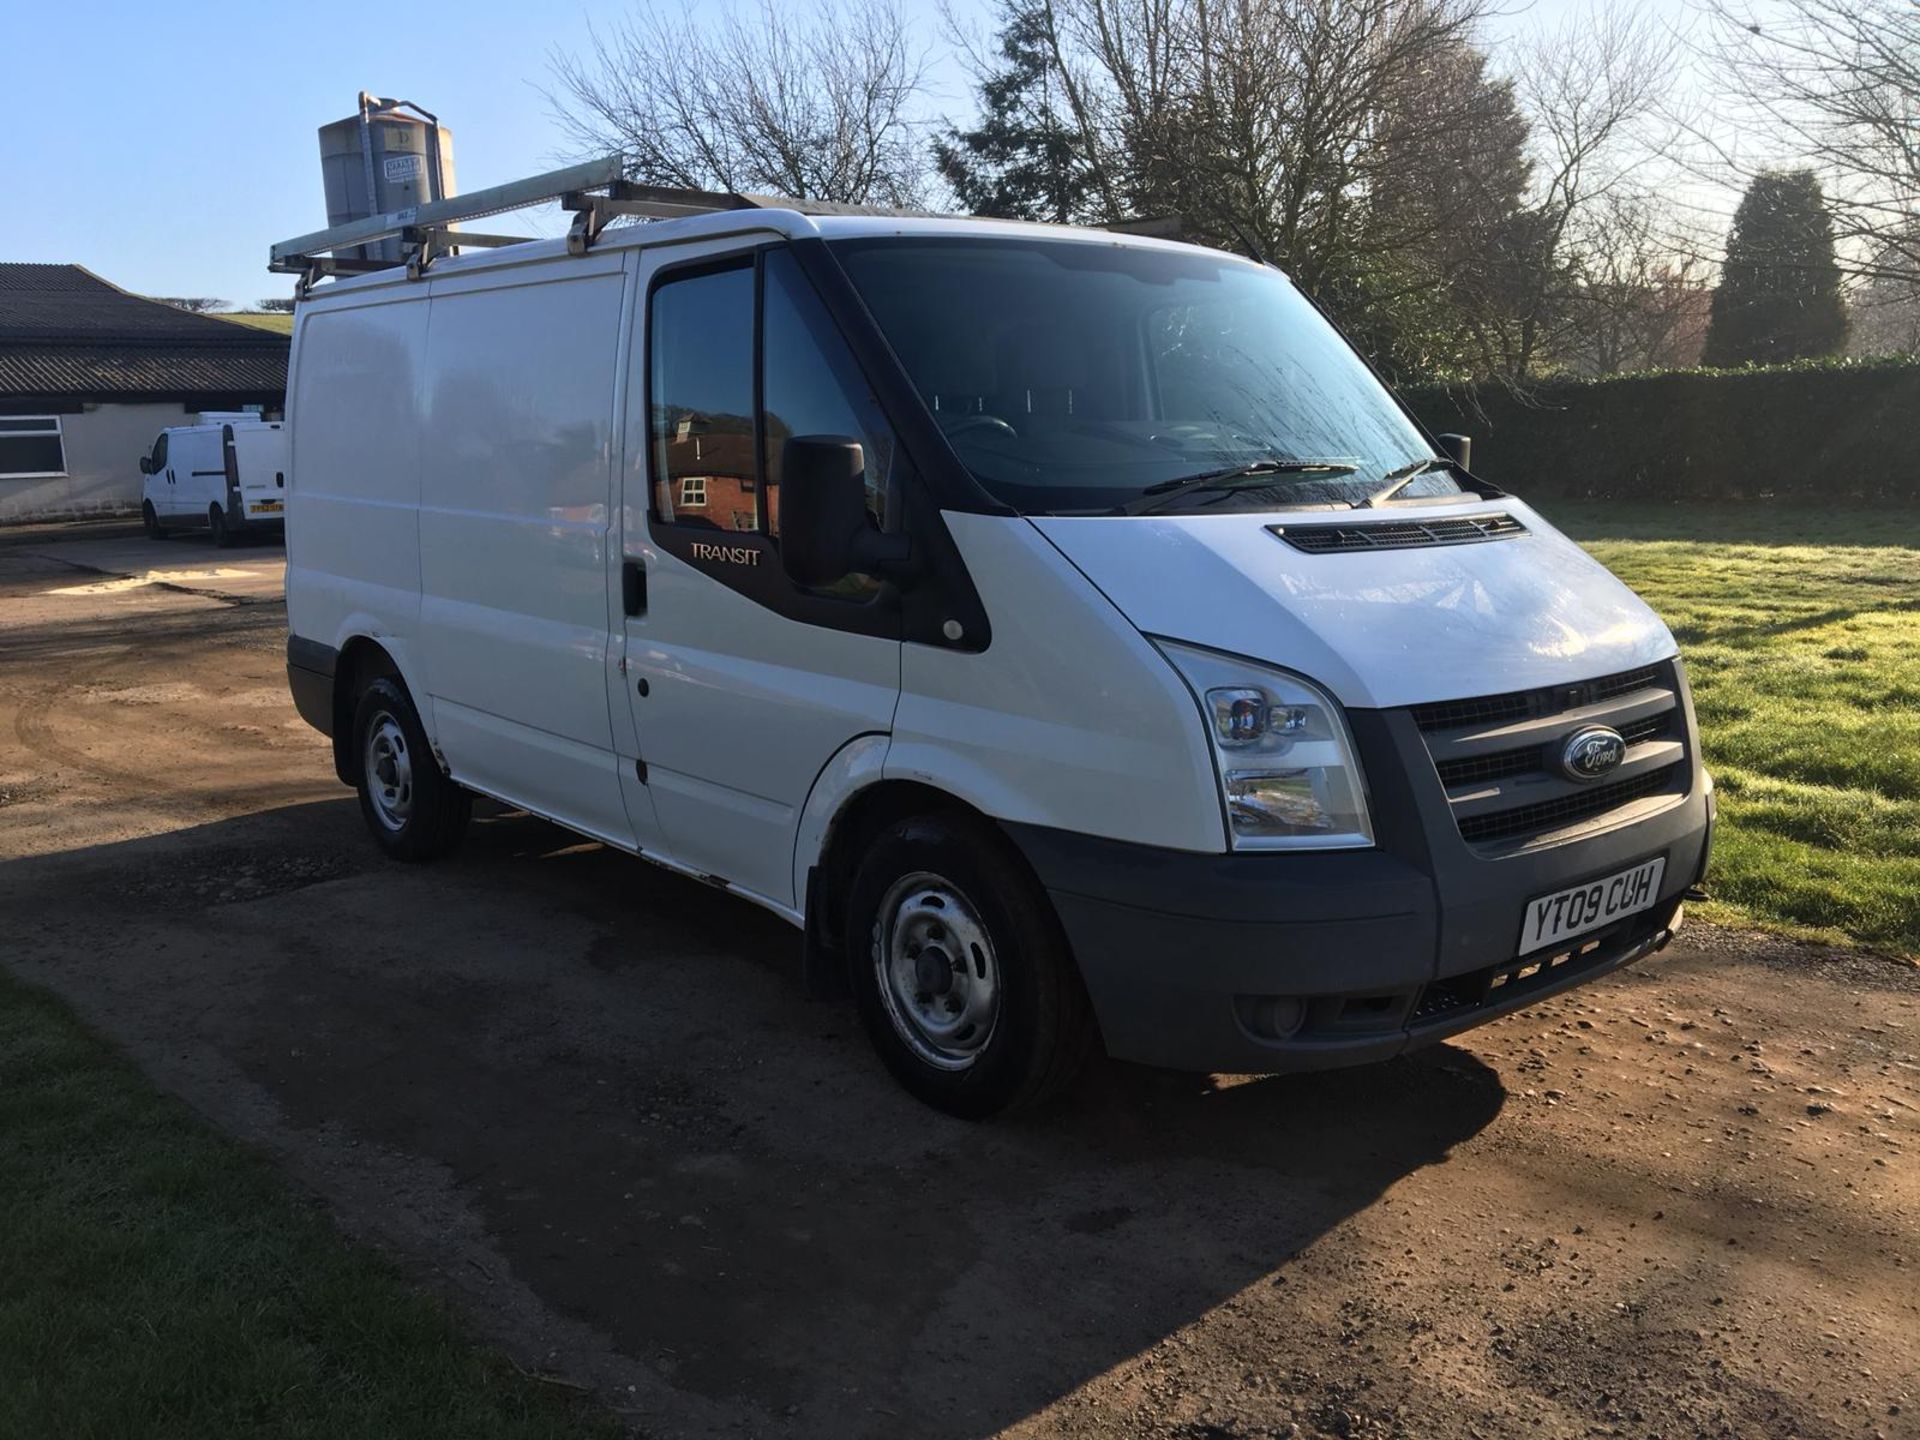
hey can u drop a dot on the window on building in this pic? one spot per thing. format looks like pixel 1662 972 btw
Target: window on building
pixel 31 445
pixel 693 492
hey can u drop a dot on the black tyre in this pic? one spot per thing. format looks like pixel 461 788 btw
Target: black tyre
pixel 962 973
pixel 150 521
pixel 414 811
pixel 218 528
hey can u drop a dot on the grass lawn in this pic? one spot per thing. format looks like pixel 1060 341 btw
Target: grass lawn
pixel 157 1280
pixel 1801 633
pixel 260 320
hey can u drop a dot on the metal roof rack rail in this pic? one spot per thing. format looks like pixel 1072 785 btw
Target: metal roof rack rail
pixel 596 191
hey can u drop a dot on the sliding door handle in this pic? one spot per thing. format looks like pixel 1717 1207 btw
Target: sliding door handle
pixel 633 587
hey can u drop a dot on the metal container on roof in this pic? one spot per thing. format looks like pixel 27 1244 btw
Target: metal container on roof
pixel 390 155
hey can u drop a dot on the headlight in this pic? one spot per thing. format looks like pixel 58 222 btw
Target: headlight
pixel 1288 773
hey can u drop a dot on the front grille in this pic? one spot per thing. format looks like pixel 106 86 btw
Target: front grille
pixel 1526 704
pixel 1566 810
pixel 1399 534
pixel 1654 727
pixel 1505 795
pixel 1452 714
pixel 1479 769
pixel 1623 683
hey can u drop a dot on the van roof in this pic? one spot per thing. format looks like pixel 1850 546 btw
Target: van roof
pixel 791 224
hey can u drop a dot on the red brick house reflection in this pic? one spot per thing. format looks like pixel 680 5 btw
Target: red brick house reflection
pixel 706 472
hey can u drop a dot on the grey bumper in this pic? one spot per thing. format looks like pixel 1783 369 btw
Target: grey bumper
pixel 1375 951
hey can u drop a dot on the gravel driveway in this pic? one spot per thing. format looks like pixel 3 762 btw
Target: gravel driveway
pixel 588 1101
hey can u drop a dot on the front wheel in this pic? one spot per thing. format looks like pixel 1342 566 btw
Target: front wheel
pixel 150 521
pixel 415 811
pixel 961 970
pixel 217 527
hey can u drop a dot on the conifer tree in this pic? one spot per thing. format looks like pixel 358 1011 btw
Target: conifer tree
pixel 1779 295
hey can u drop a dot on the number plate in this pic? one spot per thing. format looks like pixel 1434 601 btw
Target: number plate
pixel 262 507
pixel 1552 918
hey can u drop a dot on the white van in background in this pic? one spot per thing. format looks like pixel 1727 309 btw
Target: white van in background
pixel 1064 629
pixel 228 477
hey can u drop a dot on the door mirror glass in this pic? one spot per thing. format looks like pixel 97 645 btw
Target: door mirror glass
pixel 146 464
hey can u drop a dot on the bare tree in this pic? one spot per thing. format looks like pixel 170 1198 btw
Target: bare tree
pixel 1255 118
pixel 817 105
pixel 1834 84
pixel 276 305
pixel 192 304
pixel 1886 304
pixel 1593 89
pixel 1631 304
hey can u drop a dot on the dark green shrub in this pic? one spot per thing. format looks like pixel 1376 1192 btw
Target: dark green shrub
pixel 1836 432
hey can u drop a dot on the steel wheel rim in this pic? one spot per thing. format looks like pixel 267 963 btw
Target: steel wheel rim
pixel 389 771
pixel 938 975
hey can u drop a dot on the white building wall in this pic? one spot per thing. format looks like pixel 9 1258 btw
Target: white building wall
pixel 104 444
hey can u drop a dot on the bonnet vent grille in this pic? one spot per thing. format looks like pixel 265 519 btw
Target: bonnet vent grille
pixel 1399 534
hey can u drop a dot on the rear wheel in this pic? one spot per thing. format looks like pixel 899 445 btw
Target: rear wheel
pixel 217 527
pixel 150 521
pixel 962 973
pixel 413 810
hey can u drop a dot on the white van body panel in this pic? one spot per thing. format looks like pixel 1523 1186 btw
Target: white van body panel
pixel 515 477
pixel 200 472
pixel 180 489
pixel 354 407
pixel 1070 719
pixel 1379 628
pixel 260 457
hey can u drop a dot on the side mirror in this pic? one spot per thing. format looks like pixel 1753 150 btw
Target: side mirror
pixel 1458 448
pixel 146 464
pixel 825 532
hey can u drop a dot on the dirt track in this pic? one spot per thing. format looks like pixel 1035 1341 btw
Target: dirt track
pixel 587 1100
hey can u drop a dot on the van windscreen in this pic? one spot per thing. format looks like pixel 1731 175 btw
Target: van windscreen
pixel 1074 375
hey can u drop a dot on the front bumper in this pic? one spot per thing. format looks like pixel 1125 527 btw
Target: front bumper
pixel 1374 951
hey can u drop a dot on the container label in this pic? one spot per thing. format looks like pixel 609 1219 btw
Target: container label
pixel 403 167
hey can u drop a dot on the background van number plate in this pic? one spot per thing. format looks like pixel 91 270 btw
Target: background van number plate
pixel 1587 907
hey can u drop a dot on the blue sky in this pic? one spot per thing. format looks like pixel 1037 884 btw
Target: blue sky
pixel 166 145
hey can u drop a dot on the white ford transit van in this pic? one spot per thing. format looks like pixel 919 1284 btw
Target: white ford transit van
pixel 226 477
pixel 1065 630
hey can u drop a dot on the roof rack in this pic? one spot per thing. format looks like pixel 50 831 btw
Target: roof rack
pixel 595 191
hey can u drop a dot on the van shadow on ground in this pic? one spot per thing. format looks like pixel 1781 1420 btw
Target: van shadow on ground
pixel 542 1067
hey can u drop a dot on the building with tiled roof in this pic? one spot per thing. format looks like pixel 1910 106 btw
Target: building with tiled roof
pixel 90 374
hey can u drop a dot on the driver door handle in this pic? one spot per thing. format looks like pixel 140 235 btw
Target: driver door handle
pixel 633 588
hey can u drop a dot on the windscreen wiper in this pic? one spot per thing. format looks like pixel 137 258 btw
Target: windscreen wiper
pixel 1398 480
pixel 1234 477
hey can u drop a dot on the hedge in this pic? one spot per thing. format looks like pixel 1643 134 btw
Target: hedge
pixel 1806 432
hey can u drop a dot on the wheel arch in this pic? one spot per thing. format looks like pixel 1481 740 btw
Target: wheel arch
pixel 362 659
pixel 861 815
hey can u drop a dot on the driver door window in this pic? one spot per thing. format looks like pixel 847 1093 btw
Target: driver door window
pixel 725 394
pixel 702 416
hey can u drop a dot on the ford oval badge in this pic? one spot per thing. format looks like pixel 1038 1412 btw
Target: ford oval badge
pixel 1593 753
